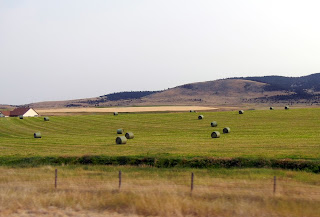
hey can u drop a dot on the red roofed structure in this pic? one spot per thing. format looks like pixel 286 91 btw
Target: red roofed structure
pixel 25 112
pixel 5 113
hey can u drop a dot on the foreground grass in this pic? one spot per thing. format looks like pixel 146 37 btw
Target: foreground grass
pixel 159 192
pixel 278 134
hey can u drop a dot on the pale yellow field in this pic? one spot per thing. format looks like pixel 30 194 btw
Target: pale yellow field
pixel 125 109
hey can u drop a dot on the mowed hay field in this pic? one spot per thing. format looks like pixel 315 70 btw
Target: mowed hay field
pixel 93 190
pixel 277 134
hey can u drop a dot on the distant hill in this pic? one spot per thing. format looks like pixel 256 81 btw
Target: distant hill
pixel 219 92
pixel 296 84
pixel 302 88
pixel 225 92
pixel 5 107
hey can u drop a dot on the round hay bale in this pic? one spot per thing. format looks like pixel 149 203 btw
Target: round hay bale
pixel 226 130
pixel 215 134
pixel 21 116
pixel 214 124
pixel 271 108
pixel 241 112
pixel 191 110
pixel 115 113
pixel 46 119
pixel 121 140
pixel 286 107
pixel 129 135
pixel 200 117
pixel 37 135
pixel 119 131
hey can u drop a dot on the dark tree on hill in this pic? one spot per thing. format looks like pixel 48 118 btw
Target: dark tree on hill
pixel 128 95
pixel 295 84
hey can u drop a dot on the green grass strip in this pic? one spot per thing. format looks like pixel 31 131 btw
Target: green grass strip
pixel 170 162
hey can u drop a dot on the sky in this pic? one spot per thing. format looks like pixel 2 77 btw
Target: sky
pixel 71 49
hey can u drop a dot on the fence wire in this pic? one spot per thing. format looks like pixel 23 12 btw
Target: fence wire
pixel 101 181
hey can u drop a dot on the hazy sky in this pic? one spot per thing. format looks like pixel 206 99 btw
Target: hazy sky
pixel 69 49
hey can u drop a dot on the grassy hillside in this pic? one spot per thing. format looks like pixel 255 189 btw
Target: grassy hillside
pixel 289 83
pixel 276 134
pixel 303 90
pixel 220 92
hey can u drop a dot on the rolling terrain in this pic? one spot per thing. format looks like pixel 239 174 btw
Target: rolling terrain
pixel 229 92
pixel 244 91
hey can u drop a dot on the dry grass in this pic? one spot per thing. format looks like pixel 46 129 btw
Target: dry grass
pixel 123 109
pixel 93 191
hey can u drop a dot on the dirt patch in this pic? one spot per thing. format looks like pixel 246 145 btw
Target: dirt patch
pixel 125 109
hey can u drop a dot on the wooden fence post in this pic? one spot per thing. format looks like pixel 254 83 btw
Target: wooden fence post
pixel 120 174
pixel 192 177
pixel 274 184
pixel 55 178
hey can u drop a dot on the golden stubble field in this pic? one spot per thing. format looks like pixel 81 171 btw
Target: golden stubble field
pixel 61 111
pixel 94 191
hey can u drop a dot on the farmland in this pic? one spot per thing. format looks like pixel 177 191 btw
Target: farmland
pixel 277 134
pixel 68 142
